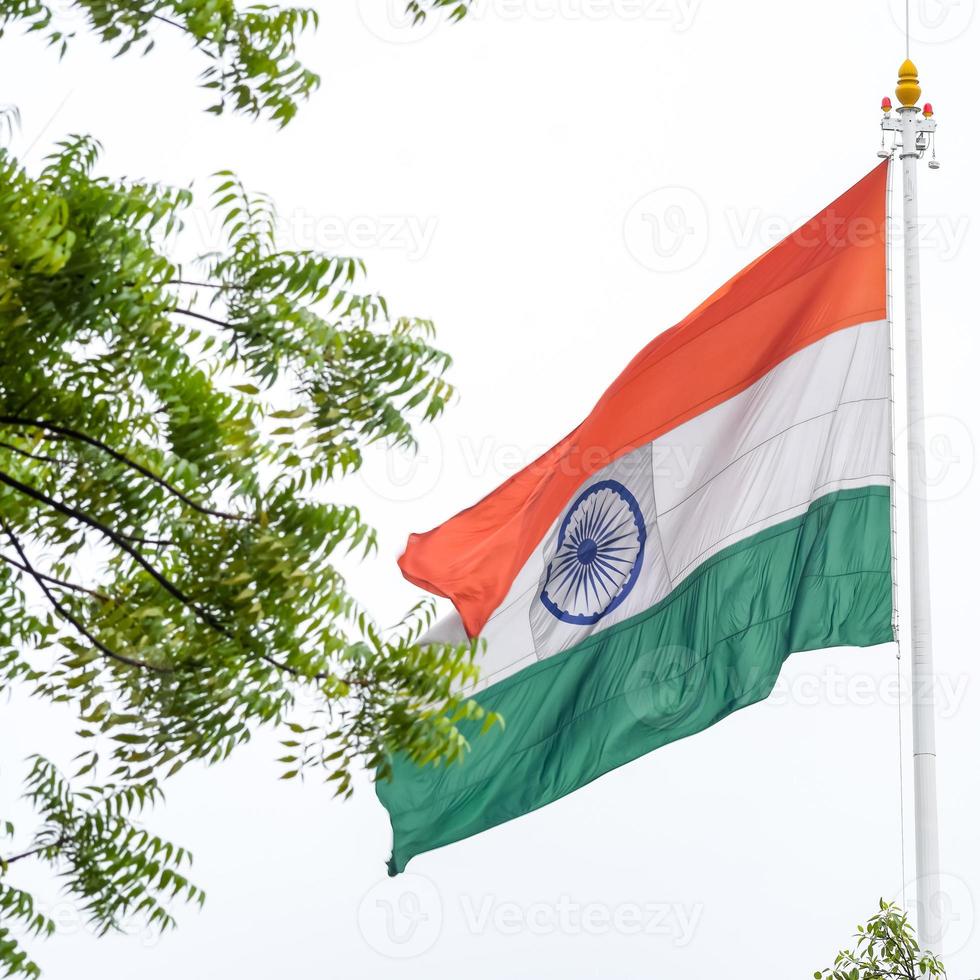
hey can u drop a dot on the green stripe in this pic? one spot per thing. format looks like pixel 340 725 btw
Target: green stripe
pixel 714 645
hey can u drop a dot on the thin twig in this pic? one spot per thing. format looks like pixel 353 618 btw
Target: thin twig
pixel 56 843
pixel 61 583
pixel 120 542
pixel 201 316
pixel 292 670
pixel 150 542
pixel 26 854
pixel 115 454
pixel 171 23
pixel 67 614
pixel 24 452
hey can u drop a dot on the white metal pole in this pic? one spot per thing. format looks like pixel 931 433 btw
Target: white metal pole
pixel 928 890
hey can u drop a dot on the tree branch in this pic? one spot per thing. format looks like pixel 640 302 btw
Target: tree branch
pixel 150 542
pixel 201 316
pixel 119 457
pixel 292 671
pixel 68 615
pixel 56 843
pixel 56 581
pixel 20 857
pixel 24 452
pixel 171 23
pixel 120 542
pixel 224 324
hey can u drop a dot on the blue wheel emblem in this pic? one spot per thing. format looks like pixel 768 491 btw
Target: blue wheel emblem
pixel 598 556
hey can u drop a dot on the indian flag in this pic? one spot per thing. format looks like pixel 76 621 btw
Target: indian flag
pixel 726 503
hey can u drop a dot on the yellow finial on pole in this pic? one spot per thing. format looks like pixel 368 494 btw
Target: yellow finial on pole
pixel 908 90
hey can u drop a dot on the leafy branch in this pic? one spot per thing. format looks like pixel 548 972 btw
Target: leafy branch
pixel 885 949
pixel 251 51
pixel 112 867
pixel 170 555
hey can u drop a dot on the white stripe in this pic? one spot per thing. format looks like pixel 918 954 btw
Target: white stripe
pixel 819 421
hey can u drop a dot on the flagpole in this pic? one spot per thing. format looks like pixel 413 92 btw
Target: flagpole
pixel 915 135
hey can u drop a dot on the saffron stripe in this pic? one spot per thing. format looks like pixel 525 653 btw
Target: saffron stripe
pixel 826 277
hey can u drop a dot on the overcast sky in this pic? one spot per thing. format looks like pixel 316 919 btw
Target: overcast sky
pixel 500 176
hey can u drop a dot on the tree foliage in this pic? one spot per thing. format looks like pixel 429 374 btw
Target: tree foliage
pixel 167 435
pixel 250 52
pixel 885 949
pixel 170 430
pixel 420 9
pixel 114 868
pixel 251 63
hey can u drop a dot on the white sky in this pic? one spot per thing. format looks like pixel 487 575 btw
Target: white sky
pixel 495 175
